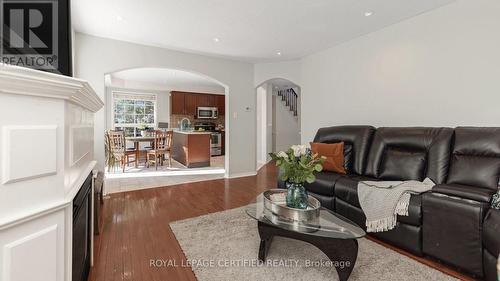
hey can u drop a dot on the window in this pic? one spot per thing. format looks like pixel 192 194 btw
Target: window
pixel 133 112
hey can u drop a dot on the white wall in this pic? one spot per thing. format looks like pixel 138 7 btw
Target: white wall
pixel 261 126
pixel 96 57
pixel 440 68
pixel 269 120
pixel 289 70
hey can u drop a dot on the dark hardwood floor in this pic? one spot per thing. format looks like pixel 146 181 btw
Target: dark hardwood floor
pixel 136 226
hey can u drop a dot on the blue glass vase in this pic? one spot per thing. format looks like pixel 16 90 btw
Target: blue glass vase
pixel 296 196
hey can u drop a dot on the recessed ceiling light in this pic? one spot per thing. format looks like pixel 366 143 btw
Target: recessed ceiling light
pixel 368 13
pixel 216 40
pixel 119 18
pixel 278 53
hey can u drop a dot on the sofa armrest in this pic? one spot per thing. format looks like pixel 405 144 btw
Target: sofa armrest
pixel 465 191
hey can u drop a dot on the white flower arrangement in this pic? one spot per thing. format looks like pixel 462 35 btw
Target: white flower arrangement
pixel 298 164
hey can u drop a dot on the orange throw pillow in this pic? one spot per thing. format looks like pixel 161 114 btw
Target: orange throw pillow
pixel 334 153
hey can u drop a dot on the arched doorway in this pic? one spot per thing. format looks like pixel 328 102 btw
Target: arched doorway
pixel 277 117
pixel 149 90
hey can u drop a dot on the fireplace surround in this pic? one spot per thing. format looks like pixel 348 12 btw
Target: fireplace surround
pixel 46 157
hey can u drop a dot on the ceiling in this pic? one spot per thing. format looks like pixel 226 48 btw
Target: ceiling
pixel 163 79
pixel 248 30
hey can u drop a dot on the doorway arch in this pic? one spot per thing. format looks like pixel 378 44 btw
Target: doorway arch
pixel 211 85
pixel 278 113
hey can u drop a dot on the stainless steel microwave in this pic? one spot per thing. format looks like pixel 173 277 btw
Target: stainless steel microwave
pixel 207 112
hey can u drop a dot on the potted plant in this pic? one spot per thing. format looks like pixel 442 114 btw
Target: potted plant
pixel 145 130
pixel 298 165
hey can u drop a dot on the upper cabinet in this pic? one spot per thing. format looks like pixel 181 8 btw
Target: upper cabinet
pixel 191 103
pixel 177 102
pixel 220 103
pixel 185 103
pixel 205 100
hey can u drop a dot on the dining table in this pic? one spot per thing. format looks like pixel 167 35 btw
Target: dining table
pixel 137 140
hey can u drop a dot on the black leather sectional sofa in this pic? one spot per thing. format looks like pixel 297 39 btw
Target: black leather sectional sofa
pixel 445 224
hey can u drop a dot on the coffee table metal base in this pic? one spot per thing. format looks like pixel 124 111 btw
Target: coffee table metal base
pixel 337 250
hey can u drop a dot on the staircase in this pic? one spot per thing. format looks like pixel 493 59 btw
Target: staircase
pixel 290 99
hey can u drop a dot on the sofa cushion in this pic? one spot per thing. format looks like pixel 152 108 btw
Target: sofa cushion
pixel 403 165
pixel 465 191
pixel 324 184
pixel 357 140
pixel 346 188
pixel 475 157
pixel 435 143
pixel 491 232
pixel 354 214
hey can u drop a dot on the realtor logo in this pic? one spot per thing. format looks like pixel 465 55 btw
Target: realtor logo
pixel 29 33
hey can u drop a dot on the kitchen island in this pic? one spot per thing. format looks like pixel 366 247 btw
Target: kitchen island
pixel 191 148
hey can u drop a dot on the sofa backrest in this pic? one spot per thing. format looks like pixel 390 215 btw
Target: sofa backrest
pixel 475 160
pixel 357 140
pixel 411 153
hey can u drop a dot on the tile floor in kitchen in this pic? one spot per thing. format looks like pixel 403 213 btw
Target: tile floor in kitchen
pixel 142 177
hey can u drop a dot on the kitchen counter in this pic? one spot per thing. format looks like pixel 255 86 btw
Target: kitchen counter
pixel 191 148
pixel 192 132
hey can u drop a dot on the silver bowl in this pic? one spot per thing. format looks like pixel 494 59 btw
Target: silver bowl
pixel 297 218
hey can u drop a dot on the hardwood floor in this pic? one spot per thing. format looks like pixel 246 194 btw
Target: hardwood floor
pixel 136 226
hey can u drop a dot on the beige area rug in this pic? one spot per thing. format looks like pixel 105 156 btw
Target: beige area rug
pixel 225 245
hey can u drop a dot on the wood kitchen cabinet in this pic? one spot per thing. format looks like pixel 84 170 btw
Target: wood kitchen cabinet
pixel 191 149
pixel 205 100
pixel 177 103
pixel 220 103
pixel 186 103
pixel 191 103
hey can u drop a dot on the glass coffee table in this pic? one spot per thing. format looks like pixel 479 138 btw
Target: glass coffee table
pixel 333 234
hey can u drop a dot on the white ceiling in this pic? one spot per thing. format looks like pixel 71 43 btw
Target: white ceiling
pixel 249 30
pixel 163 79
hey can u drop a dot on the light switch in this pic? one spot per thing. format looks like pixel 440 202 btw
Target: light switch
pixel 235 115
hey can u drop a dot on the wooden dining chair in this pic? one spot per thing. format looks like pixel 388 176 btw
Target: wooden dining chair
pixel 162 147
pixel 118 148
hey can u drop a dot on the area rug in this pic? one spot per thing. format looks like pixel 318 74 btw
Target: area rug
pixel 224 246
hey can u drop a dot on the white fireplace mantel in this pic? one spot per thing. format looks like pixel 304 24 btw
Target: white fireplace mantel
pixel 46 153
pixel 26 81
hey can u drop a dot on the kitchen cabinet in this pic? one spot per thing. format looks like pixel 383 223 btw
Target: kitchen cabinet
pixel 205 100
pixel 191 103
pixel 186 103
pixel 191 149
pixel 220 103
pixel 177 103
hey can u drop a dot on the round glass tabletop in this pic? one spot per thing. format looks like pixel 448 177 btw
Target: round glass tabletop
pixel 330 224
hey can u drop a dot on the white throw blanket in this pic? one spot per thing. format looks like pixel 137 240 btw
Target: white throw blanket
pixel 382 201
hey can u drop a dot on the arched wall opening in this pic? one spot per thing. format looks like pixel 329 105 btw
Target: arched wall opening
pixel 157 83
pixel 278 111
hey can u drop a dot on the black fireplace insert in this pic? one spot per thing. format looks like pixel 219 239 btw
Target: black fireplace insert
pixel 81 231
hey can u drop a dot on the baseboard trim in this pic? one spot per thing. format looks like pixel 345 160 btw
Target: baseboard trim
pixel 242 175
pixel 261 164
